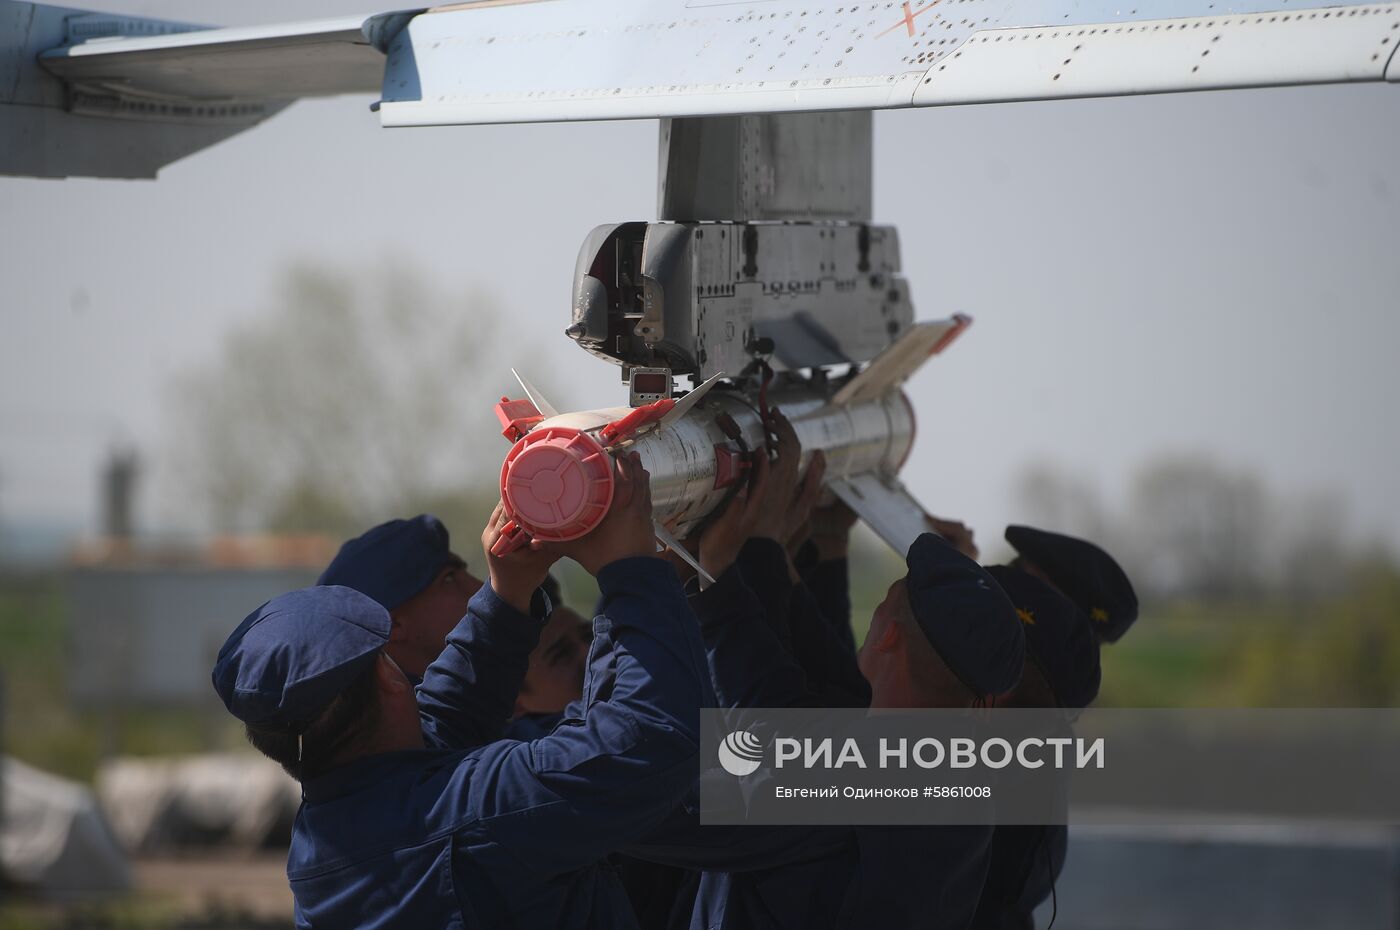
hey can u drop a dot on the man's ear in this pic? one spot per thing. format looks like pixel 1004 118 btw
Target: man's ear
pixel 390 680
pixel 398 632
pixel 890 639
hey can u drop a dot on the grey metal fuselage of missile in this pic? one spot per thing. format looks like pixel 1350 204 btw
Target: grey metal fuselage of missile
pixel 696 462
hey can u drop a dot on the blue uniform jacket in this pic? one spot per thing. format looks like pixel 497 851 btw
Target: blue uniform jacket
pixel 747 668
pixel 1025 864
pixel 533 726
pixel 829 583
pixel 511 833
pixel 807 626
pixel 887 877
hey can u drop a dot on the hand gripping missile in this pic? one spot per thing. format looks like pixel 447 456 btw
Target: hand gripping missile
pixel 557 479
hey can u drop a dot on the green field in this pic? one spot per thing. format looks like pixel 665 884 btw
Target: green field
pixel 42 728
pixel 1328 653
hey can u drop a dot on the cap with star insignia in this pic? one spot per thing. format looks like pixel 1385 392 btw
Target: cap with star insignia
pixel 1059 639
pixel 1084 573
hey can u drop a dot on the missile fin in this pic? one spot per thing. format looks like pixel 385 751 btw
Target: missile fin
pixel 892 367
pixel 688 401
pixel 640 420
pixel 674 544
pixel 541 404
pixel 886 506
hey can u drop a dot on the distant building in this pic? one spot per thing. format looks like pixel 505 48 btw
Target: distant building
pixel 146 620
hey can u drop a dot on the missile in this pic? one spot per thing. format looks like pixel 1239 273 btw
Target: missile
pixel 557 479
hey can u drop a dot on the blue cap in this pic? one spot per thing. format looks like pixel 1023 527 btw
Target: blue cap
pixel 289 658
pixel 393 561
pixel 1058 637
pixel 966 616
pixel 1084 573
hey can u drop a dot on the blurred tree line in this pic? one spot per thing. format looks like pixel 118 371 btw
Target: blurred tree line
pixel 361 396
pixel 1250 597
pixel 1194 528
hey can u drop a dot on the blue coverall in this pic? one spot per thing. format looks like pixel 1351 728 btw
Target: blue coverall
pixel 477 831
pixel 886 877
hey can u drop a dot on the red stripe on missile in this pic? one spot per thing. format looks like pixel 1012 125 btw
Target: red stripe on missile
pixel 961 322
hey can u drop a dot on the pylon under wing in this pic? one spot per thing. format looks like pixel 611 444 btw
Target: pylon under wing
pixel 96 94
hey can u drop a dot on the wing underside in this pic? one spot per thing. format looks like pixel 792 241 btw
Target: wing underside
pixel 310 59
pixel 505 61
pixel 539 60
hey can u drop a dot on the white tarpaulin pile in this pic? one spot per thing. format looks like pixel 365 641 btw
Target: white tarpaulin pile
pixel 53 837
pixel 241 800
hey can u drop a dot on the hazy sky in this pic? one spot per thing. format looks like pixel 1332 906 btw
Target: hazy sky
pixel 1211 273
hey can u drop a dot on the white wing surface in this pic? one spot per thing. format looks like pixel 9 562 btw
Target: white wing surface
pixel 531 60
pixel 621 59
pixel 505 61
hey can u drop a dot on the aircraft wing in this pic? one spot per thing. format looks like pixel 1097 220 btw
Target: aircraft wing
pixel 618 59
pixel 121 96
pixel 503 61
pixel 283 62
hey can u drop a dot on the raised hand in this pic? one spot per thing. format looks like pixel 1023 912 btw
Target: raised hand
pixel 782 480
pixel 831 530
pixel 956 533
pixel 515 575
pixel 798 526
pixel 722 539
pixel 626 531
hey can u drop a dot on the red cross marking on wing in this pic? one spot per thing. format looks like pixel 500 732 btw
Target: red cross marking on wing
pixel 908 21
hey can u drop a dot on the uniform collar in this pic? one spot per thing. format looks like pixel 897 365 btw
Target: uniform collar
pixel 360 774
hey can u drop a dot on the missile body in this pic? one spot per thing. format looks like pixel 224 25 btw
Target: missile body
pixel 557 483
pixel 557 479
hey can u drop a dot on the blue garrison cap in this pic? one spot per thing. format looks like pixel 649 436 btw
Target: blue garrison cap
pixel 393 561
pixel 1084 573
pixel 1058 637
pixel 289 658
pixel 966 616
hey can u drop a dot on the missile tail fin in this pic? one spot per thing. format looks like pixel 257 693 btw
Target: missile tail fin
pixel 675 545
pixel 886 506
pixel 545 408
pixel 687 402
pixel 892 367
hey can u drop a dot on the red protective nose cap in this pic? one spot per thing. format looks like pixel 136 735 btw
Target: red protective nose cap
pixel 557 483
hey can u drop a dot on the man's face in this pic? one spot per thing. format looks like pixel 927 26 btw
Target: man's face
pixel 555 675
pixel 421 623
pixel 932 684
pixel 870 658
